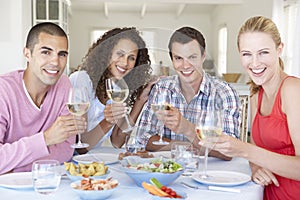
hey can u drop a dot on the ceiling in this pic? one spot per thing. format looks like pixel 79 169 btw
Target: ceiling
pixel 144 7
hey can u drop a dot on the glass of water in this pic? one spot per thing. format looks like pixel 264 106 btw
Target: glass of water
pixel 178 149
pixel 185 153
pixel 132 141
pixel 46 176
pixel 191 160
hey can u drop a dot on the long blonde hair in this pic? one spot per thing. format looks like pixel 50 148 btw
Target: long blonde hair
pixel 265 25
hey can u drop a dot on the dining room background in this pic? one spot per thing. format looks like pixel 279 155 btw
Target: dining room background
pixel 156 19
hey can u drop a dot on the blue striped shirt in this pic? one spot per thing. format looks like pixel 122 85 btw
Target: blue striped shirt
pixel 226 99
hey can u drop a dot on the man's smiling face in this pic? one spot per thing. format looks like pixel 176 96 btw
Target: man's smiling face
pixel 48 59
pixel 188 61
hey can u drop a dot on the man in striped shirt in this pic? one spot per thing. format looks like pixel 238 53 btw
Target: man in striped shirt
pixel 187 92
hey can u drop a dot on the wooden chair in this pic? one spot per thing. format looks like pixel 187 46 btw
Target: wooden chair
pixel 244 107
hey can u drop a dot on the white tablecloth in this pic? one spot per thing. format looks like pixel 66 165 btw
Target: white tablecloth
pixel 128 189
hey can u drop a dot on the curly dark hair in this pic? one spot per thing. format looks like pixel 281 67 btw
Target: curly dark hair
pixel 96 63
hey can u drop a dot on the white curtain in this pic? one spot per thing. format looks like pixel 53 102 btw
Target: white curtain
pixel 296 58
pixel 286 15
pixel 278 12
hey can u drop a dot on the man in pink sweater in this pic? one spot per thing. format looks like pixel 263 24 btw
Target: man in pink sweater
pixel 34 120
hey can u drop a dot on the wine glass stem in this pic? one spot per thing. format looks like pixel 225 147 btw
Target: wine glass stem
pixel 205 162
pixel 78 134
pixel 127 120
pixel 161 131
pixel 129 127
pixel 79 138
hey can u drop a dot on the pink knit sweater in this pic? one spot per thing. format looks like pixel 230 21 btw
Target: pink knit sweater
pixel 22 124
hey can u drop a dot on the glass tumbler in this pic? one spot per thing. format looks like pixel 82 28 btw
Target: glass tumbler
pixel 46 176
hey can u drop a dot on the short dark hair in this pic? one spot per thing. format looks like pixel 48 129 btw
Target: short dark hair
pixel 185 35
pixel 45 27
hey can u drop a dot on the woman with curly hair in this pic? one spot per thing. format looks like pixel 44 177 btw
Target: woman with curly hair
pixel 120 53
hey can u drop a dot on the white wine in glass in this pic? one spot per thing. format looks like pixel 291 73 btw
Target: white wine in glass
pixel 118 96
pixel 117 90
pixel 156 107
pixel 160 105
pixel 209 125
pixel 78 109
pixel 208 132
pixel 78 104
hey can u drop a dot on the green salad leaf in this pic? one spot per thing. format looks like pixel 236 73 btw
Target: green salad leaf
pixel 157 165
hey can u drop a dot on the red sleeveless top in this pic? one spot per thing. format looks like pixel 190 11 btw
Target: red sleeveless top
pixel 272 133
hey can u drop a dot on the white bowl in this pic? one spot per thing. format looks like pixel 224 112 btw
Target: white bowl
pixel 93 194
pixel 139 176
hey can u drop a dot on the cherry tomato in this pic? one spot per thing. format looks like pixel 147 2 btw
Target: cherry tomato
pixel 173 194
pixel 156 164
pixel 168 190
pixel 163 188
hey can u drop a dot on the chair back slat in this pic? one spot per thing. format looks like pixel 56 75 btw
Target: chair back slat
pixel 244 107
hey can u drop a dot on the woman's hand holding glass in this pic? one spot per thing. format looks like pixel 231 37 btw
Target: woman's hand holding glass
pixel 229 146
pixel 115 111
pixel 117 90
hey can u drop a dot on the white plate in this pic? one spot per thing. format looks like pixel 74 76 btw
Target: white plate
pixel 18 180
pixel 222 178
pixel 107 158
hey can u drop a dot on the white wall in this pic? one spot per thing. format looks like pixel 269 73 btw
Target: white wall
pixel 234 16
pixel 81 23
pixel 15 20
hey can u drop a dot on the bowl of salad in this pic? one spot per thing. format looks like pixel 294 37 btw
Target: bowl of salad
pixel 142 170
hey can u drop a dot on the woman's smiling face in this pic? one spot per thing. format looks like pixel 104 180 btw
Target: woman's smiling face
pixel 259 56
pixel 123 58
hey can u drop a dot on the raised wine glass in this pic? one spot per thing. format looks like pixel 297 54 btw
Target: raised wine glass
pixel 117 90
pixel 78 104
pixel 209 125
pixel 160 104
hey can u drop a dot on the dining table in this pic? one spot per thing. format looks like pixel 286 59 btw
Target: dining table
pixel 127 188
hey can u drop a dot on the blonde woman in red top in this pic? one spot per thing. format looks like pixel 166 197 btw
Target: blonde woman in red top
pixel 274 151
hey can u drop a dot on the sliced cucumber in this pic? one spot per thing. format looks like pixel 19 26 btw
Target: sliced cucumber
pixel 155 182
